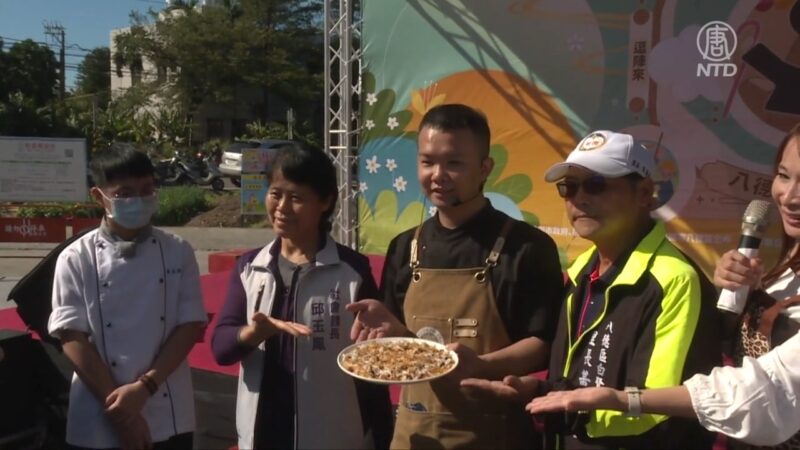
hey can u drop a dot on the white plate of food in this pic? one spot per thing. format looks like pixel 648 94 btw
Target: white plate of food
pixel 397 360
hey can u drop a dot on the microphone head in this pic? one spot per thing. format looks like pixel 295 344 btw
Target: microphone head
pixel 756 218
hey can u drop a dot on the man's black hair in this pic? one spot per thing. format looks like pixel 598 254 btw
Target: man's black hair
pixel 309 167
pixel 119 162
pixel 455 116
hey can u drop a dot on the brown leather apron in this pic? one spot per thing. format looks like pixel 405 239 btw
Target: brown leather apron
pixel 448 306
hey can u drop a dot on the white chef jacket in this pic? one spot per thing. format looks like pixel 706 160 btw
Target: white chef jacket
pixel 756 403
pixel 128 307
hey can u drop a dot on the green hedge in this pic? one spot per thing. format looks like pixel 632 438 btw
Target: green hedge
pixel 61 210
pixel 177 205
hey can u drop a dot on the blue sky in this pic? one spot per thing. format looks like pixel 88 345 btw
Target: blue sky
pixel 87 23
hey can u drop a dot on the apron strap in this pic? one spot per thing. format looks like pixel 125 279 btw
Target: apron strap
pixel 414 260
pixel 491 260
pixel 494 255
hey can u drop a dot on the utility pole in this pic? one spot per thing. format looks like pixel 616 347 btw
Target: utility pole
pixel 290 123
pixel 56 32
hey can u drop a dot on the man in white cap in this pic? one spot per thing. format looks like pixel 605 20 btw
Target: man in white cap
pixel 637 314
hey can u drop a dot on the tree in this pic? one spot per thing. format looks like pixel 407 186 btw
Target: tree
pixel 28 81
pixel 20 116
pixel 94 77
pixel 215 53
pixel 169 126
pixel 31 69
pixel 3 75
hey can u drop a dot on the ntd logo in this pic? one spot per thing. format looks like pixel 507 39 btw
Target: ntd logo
pixel 716 42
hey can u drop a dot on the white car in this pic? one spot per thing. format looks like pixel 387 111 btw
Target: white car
pixel 231 165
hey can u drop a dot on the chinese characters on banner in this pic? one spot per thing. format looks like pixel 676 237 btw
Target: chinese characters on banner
pixel 32 230
pixel 42 169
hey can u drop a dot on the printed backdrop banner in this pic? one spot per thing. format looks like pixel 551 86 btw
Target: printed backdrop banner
pixel 42 169
pixel 710 87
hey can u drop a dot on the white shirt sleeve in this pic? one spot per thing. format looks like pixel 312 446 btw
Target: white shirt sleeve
pixel 69 308
pixel 190 296
pixel 755 403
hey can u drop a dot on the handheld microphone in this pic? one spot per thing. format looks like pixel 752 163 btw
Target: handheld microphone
pixel 754 223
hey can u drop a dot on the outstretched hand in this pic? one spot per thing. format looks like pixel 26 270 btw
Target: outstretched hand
pixel 373 320
pixel 583 399
pixel 264 327
pixel 470 364
pixel 511 388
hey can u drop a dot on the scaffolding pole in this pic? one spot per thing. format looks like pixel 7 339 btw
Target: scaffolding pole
pixel 342 92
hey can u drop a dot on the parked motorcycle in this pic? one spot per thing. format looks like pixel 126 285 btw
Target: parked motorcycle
pixel 177 171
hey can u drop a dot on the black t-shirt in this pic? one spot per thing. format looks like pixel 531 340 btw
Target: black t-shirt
pixel 528 282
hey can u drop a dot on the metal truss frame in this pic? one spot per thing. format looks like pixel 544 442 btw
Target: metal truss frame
pixel 342 96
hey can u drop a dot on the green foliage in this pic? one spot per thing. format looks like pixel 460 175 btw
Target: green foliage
pixel 177 205
pixel 234 54
pixel 61 210
pixel 214 144
pixel 259 130
pixel 30 69
pixel 94 79
pixel 274 130
pixel 170 127
pixel 19 116
pixel 215 53
pixel 28 83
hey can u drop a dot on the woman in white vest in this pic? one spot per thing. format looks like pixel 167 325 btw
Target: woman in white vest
pixel 284 320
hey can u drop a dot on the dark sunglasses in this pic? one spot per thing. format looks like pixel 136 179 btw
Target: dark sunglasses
pixel 593 185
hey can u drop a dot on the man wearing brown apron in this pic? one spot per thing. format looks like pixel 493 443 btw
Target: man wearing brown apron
pixel 470 276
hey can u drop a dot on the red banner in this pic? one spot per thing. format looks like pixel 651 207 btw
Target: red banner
pixel 37 229
pixel 81 223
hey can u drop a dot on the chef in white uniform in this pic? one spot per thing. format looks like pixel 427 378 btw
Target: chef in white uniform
pixel 127 307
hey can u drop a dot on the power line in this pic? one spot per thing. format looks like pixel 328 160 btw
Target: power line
pixel 49 45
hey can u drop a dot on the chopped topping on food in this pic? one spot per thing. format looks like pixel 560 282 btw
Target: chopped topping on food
pixel 397 361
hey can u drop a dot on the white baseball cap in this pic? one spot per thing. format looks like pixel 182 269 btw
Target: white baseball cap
pixel 608 154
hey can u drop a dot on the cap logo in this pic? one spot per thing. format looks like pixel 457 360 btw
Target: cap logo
pixel 592 142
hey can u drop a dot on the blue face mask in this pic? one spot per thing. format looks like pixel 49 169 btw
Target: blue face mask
pixel 132 212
